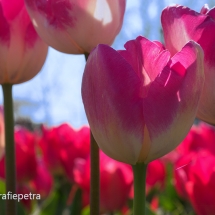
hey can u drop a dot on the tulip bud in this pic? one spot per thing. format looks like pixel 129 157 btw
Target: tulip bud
pixel 140 102
pixel 22 52
pixel 76 27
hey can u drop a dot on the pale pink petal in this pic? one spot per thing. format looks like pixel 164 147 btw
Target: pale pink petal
pixel 204 9
pixel 22 52
pixel 63 25
pixel 180 24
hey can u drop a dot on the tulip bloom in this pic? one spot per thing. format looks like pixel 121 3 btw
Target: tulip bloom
pixel 22 52
pixel 114 176
pixel 200 187
pixel 76 27
pixel 156 174
pixel 194 177
pixel 200 137
pixel 140 102
pixel 181 24
pixel 42 183
pixel 26 163
pixel 62 145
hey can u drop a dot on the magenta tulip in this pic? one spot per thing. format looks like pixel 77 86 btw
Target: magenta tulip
pixel 181 24
pixel 63 144
pixel 42 183
pixel 22 52
pixel 115 182
pixel 140 102
pixel 76 27
pixel 194 180
pixel 26 163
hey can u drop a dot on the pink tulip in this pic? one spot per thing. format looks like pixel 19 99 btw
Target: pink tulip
pixel 61 145
pixel 26 163
pixel 140 102
pixel 201 186
pixel 52 142
pixel 27 203
pixel 181 24
pixel 194 179
pixel 181 170
pixel 80 148
pixel 42 183
pixel 156 174
pixel 76 27
pixel 200 137
pixel 22 52
pixel 115 181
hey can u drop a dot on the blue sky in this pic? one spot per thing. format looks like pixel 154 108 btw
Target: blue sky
pixel 54 95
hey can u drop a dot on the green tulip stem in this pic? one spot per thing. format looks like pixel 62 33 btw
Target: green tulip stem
pixel 139 203
pixel 10 168
pixel 94 174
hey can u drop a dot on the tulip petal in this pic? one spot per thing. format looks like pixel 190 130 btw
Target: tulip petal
pixel 181 24
pixel 147 58
pixel 177 29
pixel 110 89
pixel 12 8
pixel 211 13
pixel 5 28
pixel 66 20
pixel 171 105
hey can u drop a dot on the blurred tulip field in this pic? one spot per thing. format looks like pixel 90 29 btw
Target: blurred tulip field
pixel 54 162
pixel 51 129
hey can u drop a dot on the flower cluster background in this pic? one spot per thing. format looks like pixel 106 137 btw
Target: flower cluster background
pixel 36 99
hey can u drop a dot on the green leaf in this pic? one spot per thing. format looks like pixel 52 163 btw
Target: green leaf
pixel 2 187
pixel 2 206
pixel 148 210
pixel 86 211
pixel 76 206
pixel 20 209
pixel 50 206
